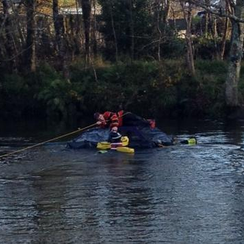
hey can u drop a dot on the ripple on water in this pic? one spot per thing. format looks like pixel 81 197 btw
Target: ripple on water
pixel 181 194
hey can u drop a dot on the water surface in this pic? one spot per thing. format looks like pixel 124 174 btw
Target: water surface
pixel 179 194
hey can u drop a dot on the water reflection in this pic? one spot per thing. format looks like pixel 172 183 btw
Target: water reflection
pixel 234 131
pixel 181 194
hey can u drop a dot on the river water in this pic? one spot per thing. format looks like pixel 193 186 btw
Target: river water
pixel 180 194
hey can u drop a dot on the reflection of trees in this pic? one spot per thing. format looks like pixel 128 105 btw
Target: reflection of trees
pixel 236 213
pixel 16 208
pixel 234 132
pixel 49 197
pixel 128 199
pixel 107 198
pixel 66 205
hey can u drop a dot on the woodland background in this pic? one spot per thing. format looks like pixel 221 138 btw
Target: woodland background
pixel 170 58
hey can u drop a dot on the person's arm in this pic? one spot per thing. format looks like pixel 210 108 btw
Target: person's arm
pixel 102 124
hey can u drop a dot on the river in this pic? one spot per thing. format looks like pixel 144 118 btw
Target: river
pixel 182 194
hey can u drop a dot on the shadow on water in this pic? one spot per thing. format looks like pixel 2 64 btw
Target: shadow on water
pixel 179 194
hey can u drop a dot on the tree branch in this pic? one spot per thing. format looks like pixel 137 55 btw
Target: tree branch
pixel 211 9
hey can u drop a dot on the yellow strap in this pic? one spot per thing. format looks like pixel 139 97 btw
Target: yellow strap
pixel 53 139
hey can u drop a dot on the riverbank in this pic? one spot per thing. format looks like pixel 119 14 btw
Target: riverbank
pixel 151 89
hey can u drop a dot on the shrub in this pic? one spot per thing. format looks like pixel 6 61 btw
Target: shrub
pixel 15 95
pixel 147 88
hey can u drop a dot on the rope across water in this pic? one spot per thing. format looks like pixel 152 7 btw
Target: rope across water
pixel 50 140
pixel 44 142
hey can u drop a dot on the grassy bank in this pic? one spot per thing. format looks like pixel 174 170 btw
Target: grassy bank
pixel 148 88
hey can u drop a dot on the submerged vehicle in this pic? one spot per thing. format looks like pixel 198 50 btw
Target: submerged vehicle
pixel 139 137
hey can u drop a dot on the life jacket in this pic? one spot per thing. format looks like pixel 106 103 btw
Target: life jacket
pixel 111 119
pixel 120 117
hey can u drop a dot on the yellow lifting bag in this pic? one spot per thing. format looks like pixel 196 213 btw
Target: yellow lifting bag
pixel 104 145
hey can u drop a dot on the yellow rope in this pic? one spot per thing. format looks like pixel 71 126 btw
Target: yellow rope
pixel 53 139
pixel 42 143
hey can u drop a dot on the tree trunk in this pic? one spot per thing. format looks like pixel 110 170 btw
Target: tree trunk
pixel 187 10
pixel 11 55
pixel 57 27
pixel 161 12
pixel 223 41
pixel 228 9
pixel 236 53
pixel 207 18
pixel 114 33
pixel 30 53
pixel 158 16
pixel 159 31
pixel 94 30
pixel 132 33
pixel 60 39
pixel 86 10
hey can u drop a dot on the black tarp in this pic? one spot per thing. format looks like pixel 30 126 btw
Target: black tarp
pixel 140 137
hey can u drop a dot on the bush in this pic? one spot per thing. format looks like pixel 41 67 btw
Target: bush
pixel 57 95
pixel 215 67
pixel 15 95
pixel 151 89
pixel 209 48
pixel 173 48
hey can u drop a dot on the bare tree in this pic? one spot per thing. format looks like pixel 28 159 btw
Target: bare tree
pixel 30 52
pixel 9 39
pixel 227 8
pixel 86 11
pixel 94 28
pixel 132 31
pixel 187 11
pixel 60 39
pixel 236 54
pixel 114 32
pixel 207 19
pixel 161 12
pixel 236 50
